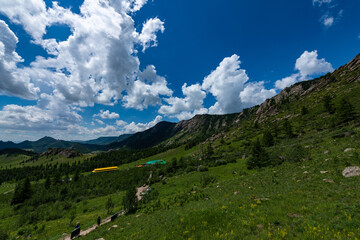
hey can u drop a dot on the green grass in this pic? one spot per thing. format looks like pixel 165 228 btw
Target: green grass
pixel 290 201
pixel 9 161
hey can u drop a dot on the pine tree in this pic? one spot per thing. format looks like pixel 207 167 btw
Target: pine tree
pixel 77 176
pixel 288 129
pixel 259 157
pixel 22 192
pixel 130 201
pixel 47 182
pixel 304 110
pixel 329 106
pixel 268 139
pixel 345 111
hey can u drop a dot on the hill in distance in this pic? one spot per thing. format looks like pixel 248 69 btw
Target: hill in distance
pixel 274 171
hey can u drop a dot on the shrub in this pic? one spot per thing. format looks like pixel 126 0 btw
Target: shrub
pixel 203 169
pixel 206 180
pixel 296 154
pixel 3 235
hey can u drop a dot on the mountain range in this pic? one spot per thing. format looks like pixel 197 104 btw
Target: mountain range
pixel 201 127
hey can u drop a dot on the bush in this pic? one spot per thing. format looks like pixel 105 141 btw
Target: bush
pixel 220 162
pixel 3 235
pixel 296 154
pixel 203 169
pixel 206 180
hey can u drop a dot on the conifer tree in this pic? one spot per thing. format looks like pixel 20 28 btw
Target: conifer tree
pixel 259 157
pixel 304 110
pixel 329 106
pixel 345 112
pixel 288 129
pixel 130 201
pixel 22 192
pixel 268 139
pixel 47 182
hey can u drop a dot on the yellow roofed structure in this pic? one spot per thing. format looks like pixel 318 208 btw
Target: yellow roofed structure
pixel 107 169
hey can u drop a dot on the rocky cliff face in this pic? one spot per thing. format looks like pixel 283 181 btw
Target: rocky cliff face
pixel 349 73
pixel 64 152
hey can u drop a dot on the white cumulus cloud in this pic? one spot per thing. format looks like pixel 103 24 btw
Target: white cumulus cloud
pixel 96 64
pixel 225 83
pixel 140 127
pixel 148 34
pixel 107 114
pixel 184 108
pixel 307 65
pixel 12 81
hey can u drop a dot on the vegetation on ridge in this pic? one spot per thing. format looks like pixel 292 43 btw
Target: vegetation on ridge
pixel 270 172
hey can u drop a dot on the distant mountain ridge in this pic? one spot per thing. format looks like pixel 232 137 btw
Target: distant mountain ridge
pixel 105 140
pixel 202 126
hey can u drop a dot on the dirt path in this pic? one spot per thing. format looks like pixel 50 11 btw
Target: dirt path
pixel 93 227
pixel 108 219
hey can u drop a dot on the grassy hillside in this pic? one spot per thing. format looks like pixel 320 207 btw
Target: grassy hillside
pixel 270 172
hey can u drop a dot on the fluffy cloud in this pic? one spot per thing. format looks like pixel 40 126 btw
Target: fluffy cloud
pixel 13 82
pixel 287 81
pixel 146 90
pixel 228 83
pixel 81 70
pixel 120 123
pixel 225 83
pixel 184 108
pixel 107 114
pixel 307 65
pixel 255 93
pixel 139 127
pixel 97 63
pixel 148 34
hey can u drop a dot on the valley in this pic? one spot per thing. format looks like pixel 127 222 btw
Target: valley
pixel 273 171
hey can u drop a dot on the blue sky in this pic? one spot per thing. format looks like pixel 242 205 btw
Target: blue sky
pixel 85 69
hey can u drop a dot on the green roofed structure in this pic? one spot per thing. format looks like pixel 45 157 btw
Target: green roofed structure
pixel 156 162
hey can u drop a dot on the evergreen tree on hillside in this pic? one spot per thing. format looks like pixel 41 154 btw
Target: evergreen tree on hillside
pixel 268 139
pixel 329 106
pixel 22 192
pixel 47 182
pixel 130 201
pixel 345 112
pixel 288 129
pixel 304 110
pixel 259 157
